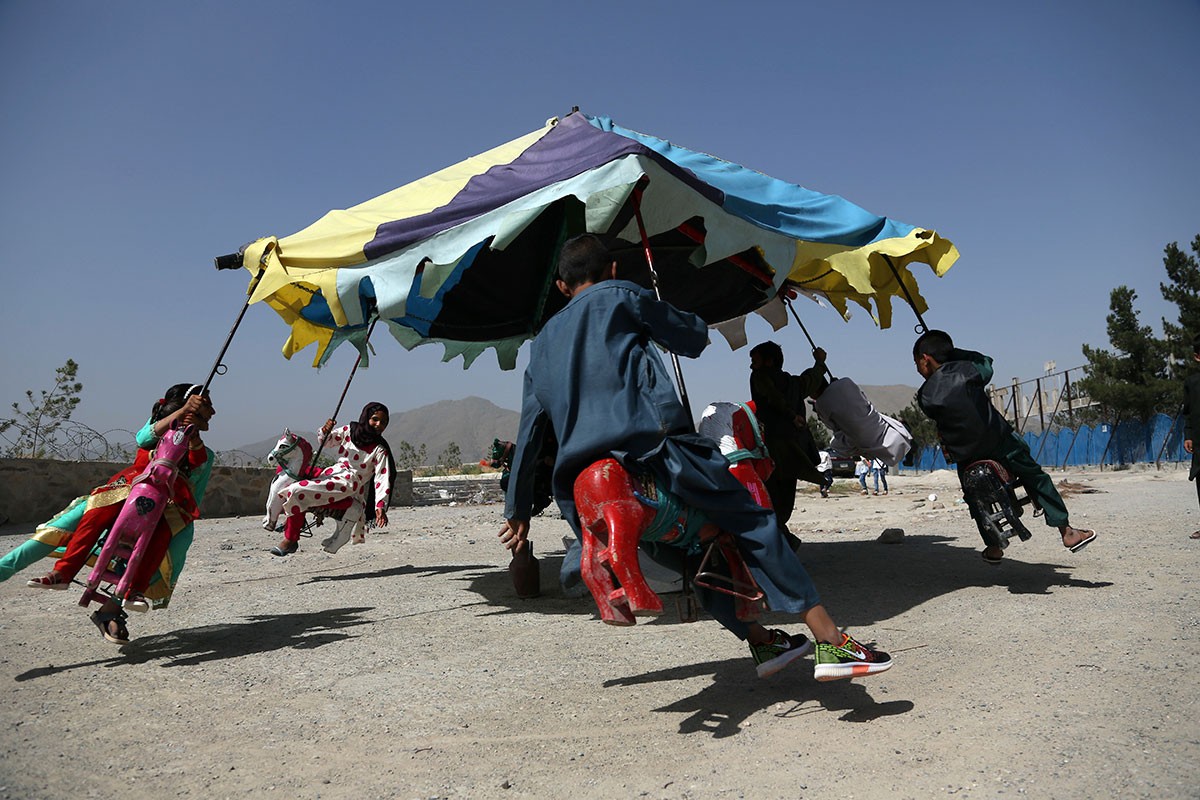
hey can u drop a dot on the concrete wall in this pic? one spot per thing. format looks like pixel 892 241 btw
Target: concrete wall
pixel 33 490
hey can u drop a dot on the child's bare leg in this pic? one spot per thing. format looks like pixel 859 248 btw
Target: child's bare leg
pixel 823 628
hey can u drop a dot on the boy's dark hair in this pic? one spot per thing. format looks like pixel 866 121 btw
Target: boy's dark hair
pixel 583 259
pixel 936 344
pixel 171 401
pixel 1196 345
pixel 769 350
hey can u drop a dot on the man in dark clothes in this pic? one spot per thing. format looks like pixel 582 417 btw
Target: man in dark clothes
pixel 596 380
pixel 779 405
pixel 971 429
pixel 1191 419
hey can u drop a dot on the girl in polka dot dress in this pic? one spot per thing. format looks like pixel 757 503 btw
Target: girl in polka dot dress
pixel 363 471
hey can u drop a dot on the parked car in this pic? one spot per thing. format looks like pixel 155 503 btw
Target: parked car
pixel 843 467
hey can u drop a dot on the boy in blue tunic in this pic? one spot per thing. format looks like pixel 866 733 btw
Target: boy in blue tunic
pixel 971 429
pixel 598 384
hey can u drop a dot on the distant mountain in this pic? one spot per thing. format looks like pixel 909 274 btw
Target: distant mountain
pixel 473 422
pixel 889 399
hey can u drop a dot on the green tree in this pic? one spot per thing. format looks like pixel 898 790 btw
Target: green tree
pixel 409 457
pixel 451 456
pixel 1132 379
pixel 922 428
pixel 1182 289
pixel 37 425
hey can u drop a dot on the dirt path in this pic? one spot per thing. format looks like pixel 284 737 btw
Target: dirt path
pixel 406 667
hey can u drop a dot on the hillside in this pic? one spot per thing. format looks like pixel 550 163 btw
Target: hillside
pixel 474 422
pixel 889 399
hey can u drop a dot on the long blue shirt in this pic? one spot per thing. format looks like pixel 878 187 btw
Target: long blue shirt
pixel 596 381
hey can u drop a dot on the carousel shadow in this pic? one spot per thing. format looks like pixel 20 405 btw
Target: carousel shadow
pixel 862 582
pixel 260 634
pixel 866 582
pixel 395 572
pixel 722 707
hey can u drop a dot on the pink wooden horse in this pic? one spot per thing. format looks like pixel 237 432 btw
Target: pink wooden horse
pixel 133 529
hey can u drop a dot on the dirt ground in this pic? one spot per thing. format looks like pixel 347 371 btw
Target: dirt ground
pixel 406 667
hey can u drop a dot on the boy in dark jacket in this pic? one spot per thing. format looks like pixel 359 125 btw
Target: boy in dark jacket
pixel 971 429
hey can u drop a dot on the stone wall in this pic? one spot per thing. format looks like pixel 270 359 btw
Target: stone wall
pixel 33 490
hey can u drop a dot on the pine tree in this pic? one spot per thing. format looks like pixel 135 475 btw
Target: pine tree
pixel 922 428
pixel 1131 381
pixel 37 425
pixel 1183 289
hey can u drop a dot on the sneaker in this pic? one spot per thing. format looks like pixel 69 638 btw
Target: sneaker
pixel 848 660
pixel 781 650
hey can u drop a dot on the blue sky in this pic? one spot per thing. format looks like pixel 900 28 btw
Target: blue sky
pixel 1054 143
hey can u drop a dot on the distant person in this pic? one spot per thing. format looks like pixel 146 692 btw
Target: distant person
pixel 596 379
pixel 862 468
pixel 971 429
pixel 779 402
pixel 1191 419
pixel 879 474
pixel 825 467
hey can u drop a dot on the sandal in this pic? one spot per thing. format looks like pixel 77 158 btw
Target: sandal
pixel 1082 543
pixel 104 620
pixel 991 559
pixel 51 580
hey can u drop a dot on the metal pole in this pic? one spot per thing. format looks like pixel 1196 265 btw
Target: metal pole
pixel 637 212
pixel 1108 444
pixel 346 388
pixel 788 302
pixel 920 327
pixel 218 368
pixel 1171 430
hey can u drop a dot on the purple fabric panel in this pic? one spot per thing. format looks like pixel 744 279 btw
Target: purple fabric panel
pixel 570 148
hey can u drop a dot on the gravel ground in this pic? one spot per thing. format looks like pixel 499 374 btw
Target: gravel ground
pixel 406 667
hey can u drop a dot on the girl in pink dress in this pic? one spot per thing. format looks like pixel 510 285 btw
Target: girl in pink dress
pixel 363 472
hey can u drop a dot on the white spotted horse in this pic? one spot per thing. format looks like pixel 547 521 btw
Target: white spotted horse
pixel 293 461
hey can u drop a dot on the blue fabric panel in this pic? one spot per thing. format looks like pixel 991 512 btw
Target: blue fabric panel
pixel 420 312
pixel 317 310
pixel 771 203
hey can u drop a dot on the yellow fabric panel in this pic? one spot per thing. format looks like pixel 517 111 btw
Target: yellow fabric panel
pixel 862 275
pixel 338 238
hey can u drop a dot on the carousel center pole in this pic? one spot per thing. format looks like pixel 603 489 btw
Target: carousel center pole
pixel 637 211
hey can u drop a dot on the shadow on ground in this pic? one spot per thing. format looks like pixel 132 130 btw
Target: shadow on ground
pixel 259 634
pixel 861 582
pixel 722 706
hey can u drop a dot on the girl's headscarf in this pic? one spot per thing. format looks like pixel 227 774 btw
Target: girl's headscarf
pixel 366 439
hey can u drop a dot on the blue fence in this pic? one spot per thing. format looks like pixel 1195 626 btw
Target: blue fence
pixel 1130 442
